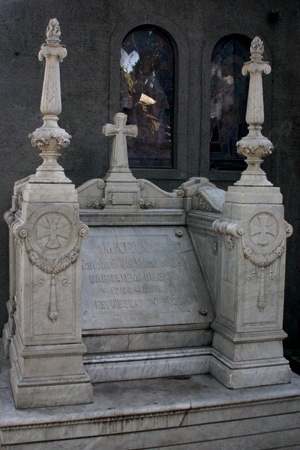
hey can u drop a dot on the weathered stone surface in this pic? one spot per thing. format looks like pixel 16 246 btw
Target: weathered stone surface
pixel 142 277
pixel 44 330
pixel 89 102
pixel 143 291
pixel 188 412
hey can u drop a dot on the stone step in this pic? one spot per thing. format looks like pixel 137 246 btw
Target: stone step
pixel 191 413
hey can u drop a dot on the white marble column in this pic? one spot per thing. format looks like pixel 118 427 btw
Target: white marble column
pixel 46 351
pixel 247 343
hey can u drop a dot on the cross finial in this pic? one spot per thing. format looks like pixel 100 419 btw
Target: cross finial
pixel 119 156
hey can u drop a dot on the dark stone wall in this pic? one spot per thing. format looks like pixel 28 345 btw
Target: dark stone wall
pixel 93 31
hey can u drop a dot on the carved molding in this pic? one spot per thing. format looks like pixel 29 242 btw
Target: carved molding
pixel 142 218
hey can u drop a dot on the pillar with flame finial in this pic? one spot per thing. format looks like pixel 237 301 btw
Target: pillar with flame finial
pixel 255 146
pixel 50 138
pixel 248 334
pixel 46 351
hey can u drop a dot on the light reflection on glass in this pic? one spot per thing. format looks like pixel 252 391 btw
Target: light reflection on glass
pixel 229 90
pixel 147 96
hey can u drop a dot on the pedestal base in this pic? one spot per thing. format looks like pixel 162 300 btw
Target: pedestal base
pixel 48 380
pixel 68 390
pixel 237 375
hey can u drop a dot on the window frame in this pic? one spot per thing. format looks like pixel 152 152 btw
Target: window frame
pixel 181 63
pixel 142 32
pixel 223 177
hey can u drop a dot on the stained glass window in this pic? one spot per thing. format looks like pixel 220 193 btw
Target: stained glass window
pixel 147 96
pixel 228 101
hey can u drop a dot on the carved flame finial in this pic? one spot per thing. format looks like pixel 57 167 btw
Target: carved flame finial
pixel 53 32
pixel 256 48
pixel 255 146
pixel 50 138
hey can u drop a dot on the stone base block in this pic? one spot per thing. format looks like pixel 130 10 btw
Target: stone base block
pixel 48 375
pixel 151 364
pixel 50 391
pixel 236 375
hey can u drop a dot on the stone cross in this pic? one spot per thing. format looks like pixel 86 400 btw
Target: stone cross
pixel 119 156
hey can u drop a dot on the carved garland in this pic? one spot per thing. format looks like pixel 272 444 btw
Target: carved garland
pixel 260 260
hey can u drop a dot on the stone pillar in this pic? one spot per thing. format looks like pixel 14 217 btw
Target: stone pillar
pixel 46 351
pixel 247 343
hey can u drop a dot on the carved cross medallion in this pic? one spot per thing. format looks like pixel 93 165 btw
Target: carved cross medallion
pixel 52 227
pixel 264 230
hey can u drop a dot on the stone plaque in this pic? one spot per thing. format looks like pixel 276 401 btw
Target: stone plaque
pixel 142 277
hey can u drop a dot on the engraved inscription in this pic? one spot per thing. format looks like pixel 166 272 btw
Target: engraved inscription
pixel 116 303
pixel 139 277
pixel 125 247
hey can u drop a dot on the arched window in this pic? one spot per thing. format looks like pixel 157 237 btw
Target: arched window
pixel 228 101
pixel 147 96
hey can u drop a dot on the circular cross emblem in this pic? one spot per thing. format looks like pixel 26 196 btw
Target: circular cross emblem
pixel 263 229
pixel 53 231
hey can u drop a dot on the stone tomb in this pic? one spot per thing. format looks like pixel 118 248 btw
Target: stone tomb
pixel 146 308
pixel 173 284
pixel 143 290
